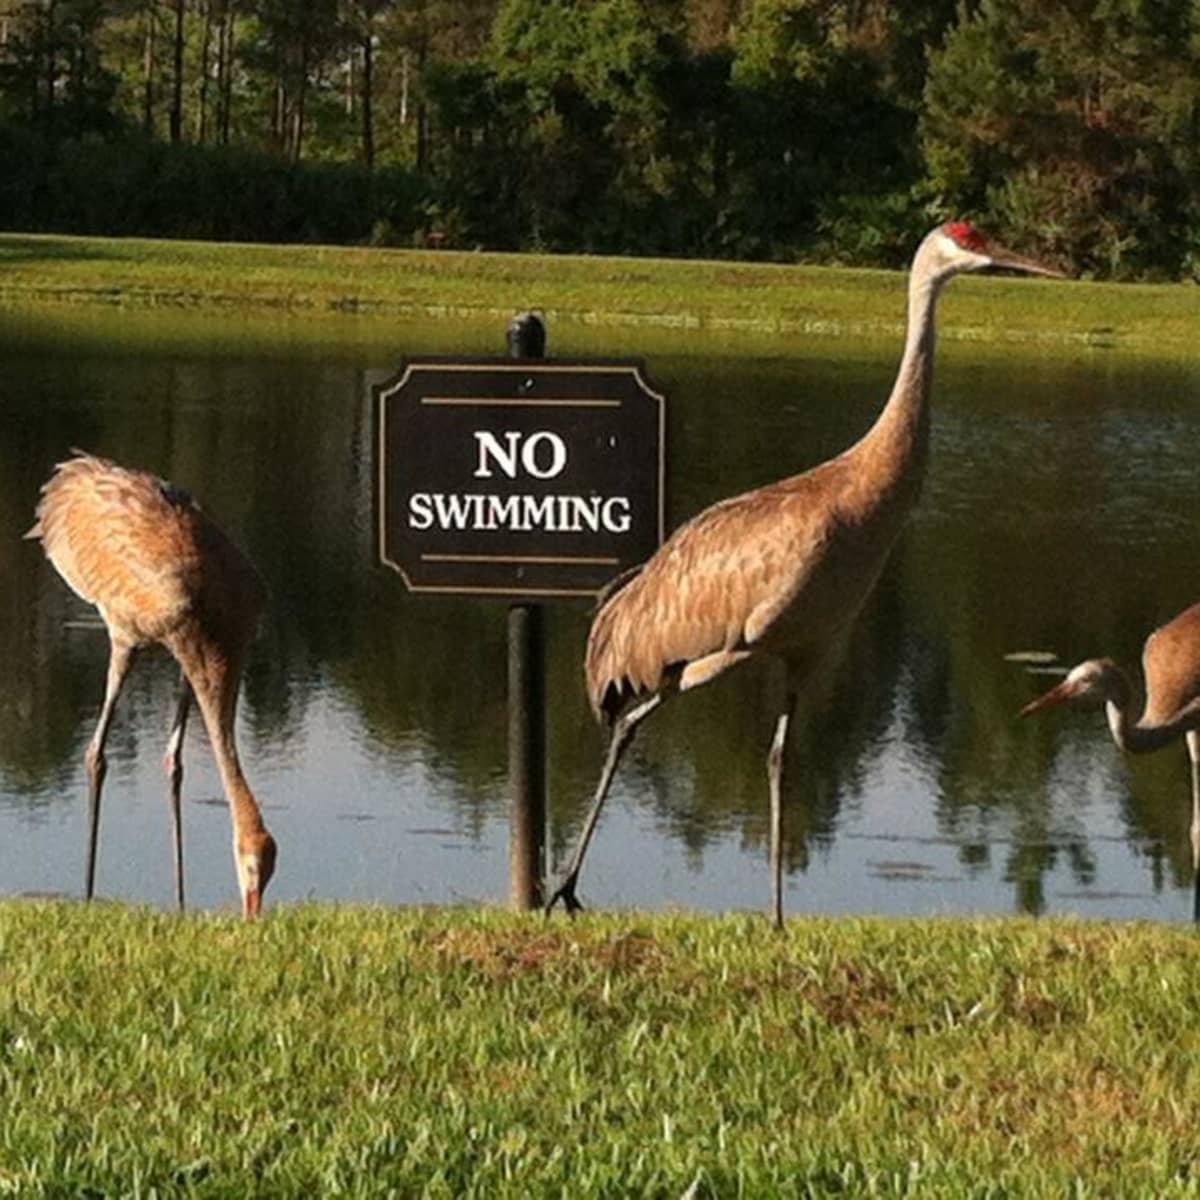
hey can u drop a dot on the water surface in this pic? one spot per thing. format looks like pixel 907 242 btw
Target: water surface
pixel 1058 515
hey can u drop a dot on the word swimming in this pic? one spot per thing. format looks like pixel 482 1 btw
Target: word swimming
pixel 519 513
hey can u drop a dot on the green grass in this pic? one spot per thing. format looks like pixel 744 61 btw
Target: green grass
pixel 357 1052
pixel 713 298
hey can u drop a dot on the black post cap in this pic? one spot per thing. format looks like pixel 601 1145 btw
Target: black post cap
pixel 526 336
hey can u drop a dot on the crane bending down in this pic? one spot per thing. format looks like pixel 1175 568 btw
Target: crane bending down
pixel 159 569
pixel 782 570
pixel 1171 668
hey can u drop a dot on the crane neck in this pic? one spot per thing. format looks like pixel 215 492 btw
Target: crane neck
pixel 214 680
pixel 915 374
pixel 1133 733
pixel 244 811
pixel 898 441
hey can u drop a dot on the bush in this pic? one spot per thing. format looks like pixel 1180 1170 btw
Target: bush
pixel 131 185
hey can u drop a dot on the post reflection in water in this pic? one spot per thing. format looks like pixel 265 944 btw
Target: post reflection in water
pixel 1057 515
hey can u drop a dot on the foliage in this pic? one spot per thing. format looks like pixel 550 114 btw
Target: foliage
pixel 292 41
pixel 827 138
pixel 554 138
pixel 831 130
pixel 135 185
pixel 52 71
pixel 1073 124
pixel 596 127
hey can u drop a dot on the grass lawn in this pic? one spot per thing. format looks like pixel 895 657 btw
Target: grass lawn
pixel 714 297
pixel 359 1052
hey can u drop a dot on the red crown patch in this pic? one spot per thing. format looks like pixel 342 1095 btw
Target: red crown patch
pixel 966 235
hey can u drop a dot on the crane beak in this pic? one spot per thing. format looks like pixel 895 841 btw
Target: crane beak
pixel 251 903
pixel 1007 260
pixel 1060 694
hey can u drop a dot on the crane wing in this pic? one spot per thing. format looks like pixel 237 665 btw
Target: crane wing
pixel 1171 667
pixel 724 581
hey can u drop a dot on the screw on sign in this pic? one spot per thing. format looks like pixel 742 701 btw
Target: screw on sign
pixel 518 479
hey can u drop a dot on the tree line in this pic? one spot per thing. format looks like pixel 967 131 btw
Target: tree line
pixel 826 130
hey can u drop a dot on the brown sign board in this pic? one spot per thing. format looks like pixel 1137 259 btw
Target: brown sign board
pixel 518 478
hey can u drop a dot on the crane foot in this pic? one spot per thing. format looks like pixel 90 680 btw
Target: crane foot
pixel 566 893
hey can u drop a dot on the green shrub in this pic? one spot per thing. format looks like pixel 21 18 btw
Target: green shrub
pixel 133 185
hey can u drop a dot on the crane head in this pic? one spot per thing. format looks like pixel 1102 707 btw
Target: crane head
pixel 1091 683
pixel 254 854
pixel 963 248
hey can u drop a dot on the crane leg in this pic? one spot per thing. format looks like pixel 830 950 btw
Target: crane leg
pixel 173 764
pixel 1193 745
pixel 120 658
pixel 776 758
pixel 622 734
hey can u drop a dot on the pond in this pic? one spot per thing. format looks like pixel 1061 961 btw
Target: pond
pixel 1058 516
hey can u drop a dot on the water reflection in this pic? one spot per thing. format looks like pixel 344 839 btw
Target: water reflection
pixel 1056 516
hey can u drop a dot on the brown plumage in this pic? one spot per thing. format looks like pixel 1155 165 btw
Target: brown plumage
pixel 159 570
pixel 767 571
pixel 782 570
pixel 1171 672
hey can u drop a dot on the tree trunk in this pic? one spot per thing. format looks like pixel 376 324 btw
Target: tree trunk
pixel 368 109
pixel 177 84
pixel 297 134
pixel 202 97
pixel 297 130
pixel 51 66
pixel 77 81
pixel 278 109
pixel 422 127
pixel 225 90
pixel 148 72
pixel 404 88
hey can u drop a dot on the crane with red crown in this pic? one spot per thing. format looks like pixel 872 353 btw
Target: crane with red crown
pixel 782 570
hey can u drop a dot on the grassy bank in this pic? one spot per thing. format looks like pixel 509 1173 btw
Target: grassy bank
pixel 612 292
pixel 452 1053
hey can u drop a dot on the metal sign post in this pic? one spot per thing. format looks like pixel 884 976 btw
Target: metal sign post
pixel 522 479
pixel 526 705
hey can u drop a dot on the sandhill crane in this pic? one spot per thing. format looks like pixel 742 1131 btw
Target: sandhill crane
pixel 159 569
pixel 782 570
pixel 1171 668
